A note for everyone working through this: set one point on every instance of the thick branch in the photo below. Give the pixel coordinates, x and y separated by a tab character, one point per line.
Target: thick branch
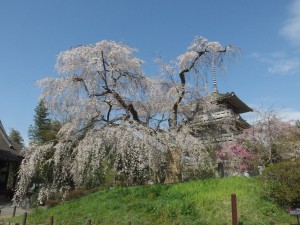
114	120
128	107
91	123
109	110
117	96
102	94
173	119
104	68
79	79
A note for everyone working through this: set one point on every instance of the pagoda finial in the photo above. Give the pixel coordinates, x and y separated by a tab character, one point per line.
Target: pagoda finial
205	85
213	68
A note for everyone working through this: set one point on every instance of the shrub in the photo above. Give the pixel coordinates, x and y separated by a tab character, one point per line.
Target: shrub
51	203
75	194
281	183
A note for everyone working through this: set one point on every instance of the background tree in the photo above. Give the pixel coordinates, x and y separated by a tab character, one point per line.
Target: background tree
119	116
237	157
297	123
271	139
44	129
16	137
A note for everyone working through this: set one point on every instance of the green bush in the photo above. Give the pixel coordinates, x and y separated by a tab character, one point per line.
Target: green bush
75	194
281	183
51	203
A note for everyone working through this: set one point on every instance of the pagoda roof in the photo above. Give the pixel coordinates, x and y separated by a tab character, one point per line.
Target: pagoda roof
232	101
9	151
241	123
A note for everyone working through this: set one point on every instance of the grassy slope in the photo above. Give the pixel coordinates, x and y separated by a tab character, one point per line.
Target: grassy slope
195	202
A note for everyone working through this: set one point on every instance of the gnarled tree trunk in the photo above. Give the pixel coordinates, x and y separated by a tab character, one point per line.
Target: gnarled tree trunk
173	170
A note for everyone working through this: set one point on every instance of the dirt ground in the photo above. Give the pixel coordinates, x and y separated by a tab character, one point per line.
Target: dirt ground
7	208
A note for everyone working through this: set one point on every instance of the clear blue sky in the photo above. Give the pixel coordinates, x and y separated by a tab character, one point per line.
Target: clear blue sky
268	32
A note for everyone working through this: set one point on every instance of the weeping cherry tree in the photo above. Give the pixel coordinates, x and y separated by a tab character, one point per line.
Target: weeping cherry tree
119	118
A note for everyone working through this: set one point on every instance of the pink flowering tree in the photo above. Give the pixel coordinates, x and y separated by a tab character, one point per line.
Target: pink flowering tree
236	157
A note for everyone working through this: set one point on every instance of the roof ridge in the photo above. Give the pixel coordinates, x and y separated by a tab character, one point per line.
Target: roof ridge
4	135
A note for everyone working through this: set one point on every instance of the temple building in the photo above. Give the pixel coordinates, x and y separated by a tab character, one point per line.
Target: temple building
216	120
223	120
10	159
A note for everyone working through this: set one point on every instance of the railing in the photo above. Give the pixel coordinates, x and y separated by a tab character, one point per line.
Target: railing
216	116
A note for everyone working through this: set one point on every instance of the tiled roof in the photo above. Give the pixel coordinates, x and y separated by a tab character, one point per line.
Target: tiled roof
9	151
233	102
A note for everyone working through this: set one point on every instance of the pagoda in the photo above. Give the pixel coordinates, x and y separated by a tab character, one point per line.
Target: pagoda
216	119
223	120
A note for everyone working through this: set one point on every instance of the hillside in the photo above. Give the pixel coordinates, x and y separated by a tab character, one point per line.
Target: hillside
195	202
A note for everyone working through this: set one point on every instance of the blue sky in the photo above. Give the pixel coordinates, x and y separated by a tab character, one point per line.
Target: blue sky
268	33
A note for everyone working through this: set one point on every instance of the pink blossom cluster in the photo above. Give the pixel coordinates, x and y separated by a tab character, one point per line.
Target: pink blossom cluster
234	152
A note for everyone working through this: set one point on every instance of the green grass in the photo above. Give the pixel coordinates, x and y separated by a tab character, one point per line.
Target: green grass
196	202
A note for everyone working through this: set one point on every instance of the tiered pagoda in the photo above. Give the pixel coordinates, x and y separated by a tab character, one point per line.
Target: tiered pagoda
223	121
216	119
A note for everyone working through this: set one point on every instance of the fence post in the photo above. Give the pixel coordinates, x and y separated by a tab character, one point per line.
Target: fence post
234	209
51	220
129	223
24	218
89	222
272	223
14	211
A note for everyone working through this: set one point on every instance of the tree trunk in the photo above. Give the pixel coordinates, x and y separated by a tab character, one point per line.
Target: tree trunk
173	173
